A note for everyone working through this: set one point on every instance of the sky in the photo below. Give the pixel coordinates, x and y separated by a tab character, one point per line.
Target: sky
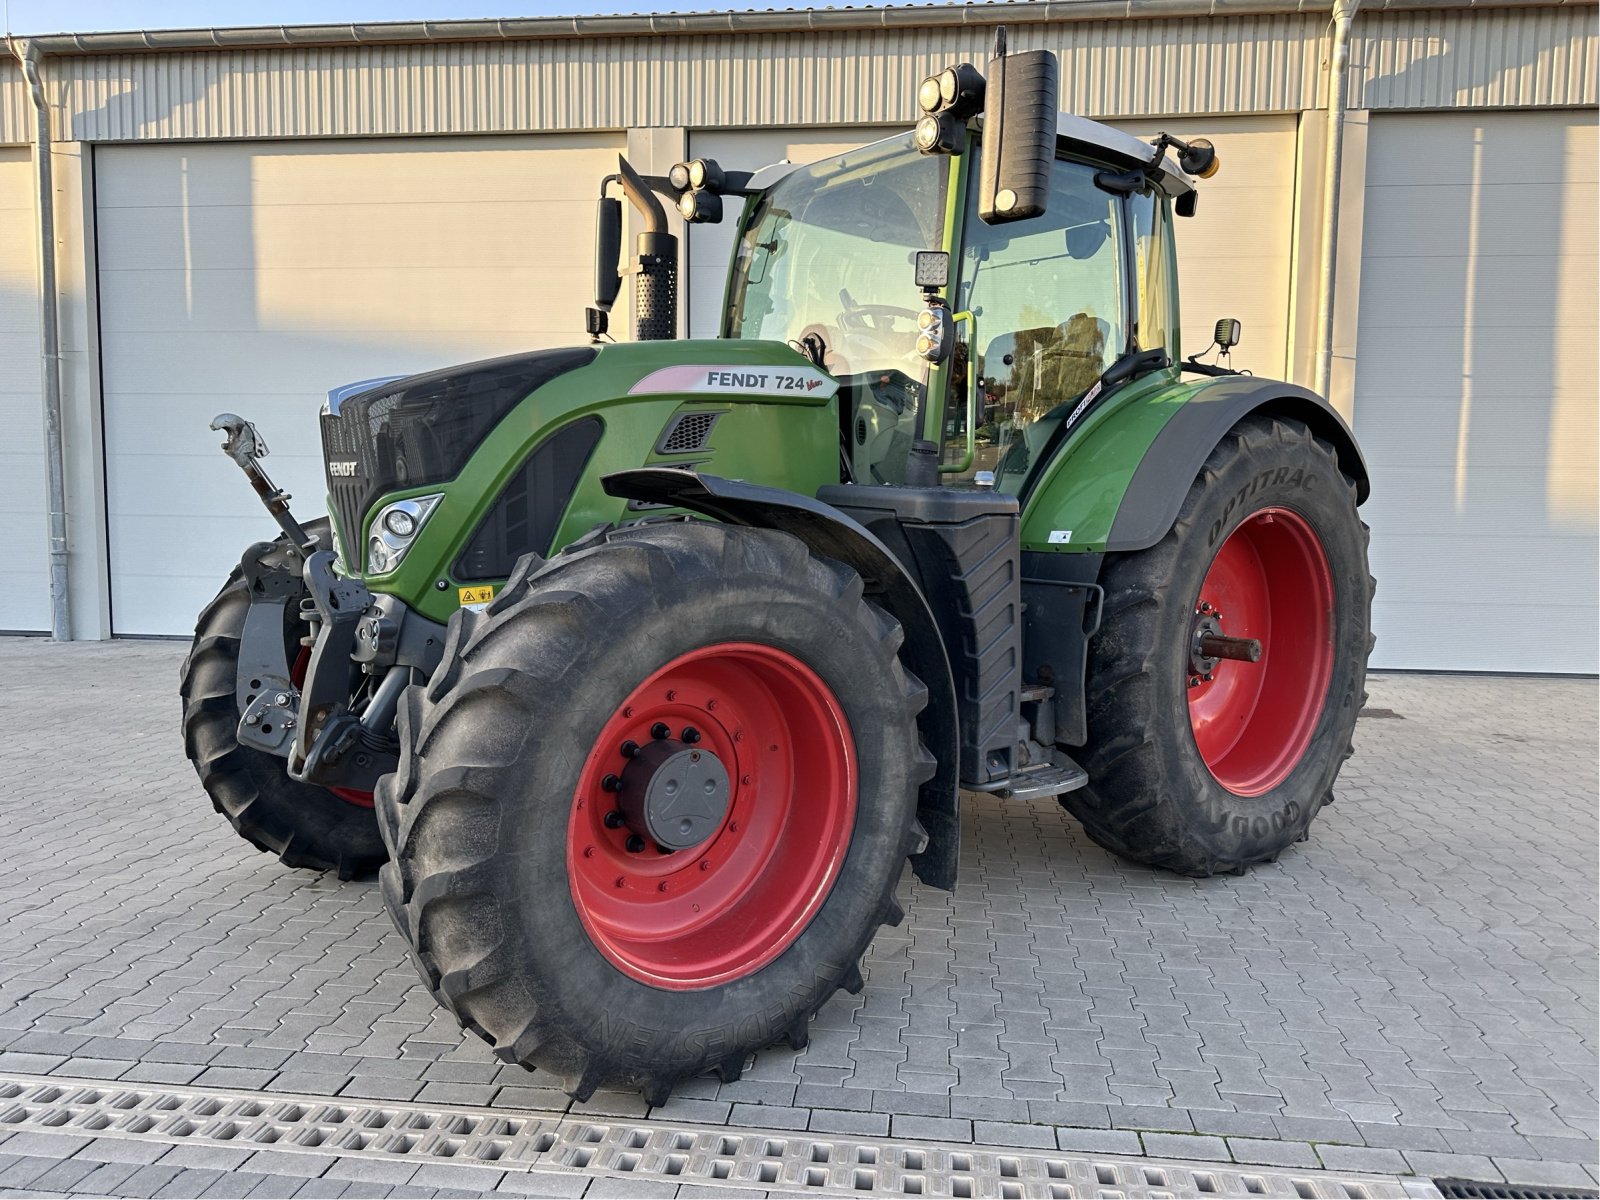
83	16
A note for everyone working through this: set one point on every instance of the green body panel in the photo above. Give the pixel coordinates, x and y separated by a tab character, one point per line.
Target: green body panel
784	441
1079	491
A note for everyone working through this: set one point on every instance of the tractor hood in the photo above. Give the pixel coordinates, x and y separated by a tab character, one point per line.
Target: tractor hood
417	430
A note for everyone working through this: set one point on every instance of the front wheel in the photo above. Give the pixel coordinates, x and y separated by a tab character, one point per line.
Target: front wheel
321	829
1201	760
654	803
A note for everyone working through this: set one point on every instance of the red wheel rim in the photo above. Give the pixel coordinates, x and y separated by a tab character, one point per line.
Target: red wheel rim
727	907
1269	580
297	676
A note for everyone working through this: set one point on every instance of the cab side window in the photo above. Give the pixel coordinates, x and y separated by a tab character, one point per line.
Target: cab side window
1049	318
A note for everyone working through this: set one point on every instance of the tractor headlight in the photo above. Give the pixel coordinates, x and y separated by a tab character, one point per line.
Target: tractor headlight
935	329
394	530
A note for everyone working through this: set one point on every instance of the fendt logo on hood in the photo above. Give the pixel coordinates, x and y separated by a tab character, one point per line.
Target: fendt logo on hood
731	380
340	468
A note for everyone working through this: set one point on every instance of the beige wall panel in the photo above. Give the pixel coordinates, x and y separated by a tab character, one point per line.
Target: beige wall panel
711	246
1475	394
254	277
24	563
1234	254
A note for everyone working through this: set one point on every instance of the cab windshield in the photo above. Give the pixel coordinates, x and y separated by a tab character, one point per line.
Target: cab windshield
825	264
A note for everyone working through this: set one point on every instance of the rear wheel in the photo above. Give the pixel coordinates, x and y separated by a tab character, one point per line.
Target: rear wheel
305	825
654	803
1198	761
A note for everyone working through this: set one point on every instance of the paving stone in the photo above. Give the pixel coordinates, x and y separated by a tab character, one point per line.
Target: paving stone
839	1120
1009	1133
1186	1146
1099	1141
452	1177
549	1183
190	1183
770	1116
1453	1166
935	1129
1271	1153
1363	1158
125	1150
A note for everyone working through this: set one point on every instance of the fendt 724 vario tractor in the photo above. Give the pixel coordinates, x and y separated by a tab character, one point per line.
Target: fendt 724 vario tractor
641	669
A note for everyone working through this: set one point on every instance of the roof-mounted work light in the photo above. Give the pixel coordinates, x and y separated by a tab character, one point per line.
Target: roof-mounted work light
947	100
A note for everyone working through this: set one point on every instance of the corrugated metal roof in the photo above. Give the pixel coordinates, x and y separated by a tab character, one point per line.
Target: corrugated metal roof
751	20
1243	62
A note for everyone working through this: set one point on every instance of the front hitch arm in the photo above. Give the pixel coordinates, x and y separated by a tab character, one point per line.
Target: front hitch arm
246	446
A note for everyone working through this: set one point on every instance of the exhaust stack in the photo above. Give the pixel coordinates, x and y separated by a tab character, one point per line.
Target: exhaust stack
656	265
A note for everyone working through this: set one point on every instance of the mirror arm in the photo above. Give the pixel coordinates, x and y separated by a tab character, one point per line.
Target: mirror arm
972	394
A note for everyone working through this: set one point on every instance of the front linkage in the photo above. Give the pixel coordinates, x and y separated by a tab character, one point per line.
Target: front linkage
305	710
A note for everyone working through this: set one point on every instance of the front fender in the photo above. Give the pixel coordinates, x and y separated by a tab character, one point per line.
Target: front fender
835	535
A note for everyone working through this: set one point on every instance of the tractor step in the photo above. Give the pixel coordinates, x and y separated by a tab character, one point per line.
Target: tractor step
1047	779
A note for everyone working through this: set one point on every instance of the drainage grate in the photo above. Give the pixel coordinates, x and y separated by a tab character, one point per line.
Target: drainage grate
1471	1189
787	1162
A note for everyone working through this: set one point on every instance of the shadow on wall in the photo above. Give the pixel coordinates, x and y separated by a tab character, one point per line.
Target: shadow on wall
253	277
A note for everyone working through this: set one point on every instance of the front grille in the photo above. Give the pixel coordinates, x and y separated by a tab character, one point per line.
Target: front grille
420	431
346	494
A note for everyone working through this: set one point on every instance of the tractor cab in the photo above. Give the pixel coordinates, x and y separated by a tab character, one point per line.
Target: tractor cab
1040	309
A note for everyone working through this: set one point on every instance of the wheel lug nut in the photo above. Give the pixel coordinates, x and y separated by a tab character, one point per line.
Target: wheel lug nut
634	844
660	732
691	735
629	749
614	819
611	783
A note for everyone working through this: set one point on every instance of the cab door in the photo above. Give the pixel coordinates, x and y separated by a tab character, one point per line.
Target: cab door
1050	311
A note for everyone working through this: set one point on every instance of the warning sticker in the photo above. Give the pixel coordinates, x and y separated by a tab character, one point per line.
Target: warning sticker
475	597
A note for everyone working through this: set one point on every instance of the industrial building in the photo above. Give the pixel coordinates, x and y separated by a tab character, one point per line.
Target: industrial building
243	219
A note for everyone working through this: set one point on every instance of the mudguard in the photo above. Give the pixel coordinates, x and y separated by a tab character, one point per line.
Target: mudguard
834	535
1159	484
1117	486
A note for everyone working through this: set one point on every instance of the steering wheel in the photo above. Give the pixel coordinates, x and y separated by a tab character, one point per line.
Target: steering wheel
875	317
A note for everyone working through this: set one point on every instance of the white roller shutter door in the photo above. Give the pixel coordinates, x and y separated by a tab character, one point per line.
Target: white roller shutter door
253	277
1475	389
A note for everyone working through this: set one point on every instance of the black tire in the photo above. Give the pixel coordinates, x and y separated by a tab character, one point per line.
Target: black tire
304	825
1152	797
477	816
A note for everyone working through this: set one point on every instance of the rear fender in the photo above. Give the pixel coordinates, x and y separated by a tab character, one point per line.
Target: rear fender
1116	487
834	535
1161	481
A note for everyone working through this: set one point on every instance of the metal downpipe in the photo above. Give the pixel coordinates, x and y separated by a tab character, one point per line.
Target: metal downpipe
50	346
1344	15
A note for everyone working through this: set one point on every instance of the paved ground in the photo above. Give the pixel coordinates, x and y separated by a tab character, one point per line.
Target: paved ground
1413	990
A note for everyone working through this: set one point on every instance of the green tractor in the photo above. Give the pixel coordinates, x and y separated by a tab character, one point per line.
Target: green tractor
639	670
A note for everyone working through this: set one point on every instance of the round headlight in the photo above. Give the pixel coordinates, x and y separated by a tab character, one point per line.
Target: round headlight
678	177
399	522
377	556
928	131
927	319
929	95
949	86
697	173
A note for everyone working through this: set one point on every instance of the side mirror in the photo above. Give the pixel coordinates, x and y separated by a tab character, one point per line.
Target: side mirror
1228	333
607	253
1019	135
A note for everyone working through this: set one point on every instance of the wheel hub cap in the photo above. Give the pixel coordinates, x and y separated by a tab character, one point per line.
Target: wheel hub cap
674	794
